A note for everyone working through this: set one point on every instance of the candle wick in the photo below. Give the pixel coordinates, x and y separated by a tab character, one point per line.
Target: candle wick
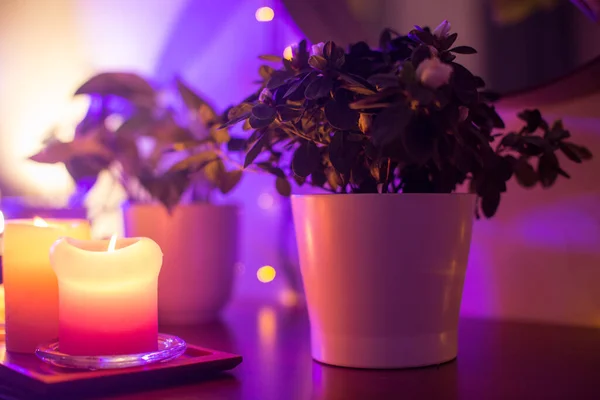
113	243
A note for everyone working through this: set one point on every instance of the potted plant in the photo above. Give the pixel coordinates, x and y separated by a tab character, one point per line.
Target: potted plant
404	140
169	159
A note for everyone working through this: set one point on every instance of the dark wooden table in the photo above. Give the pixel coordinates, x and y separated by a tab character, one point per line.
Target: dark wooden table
497	360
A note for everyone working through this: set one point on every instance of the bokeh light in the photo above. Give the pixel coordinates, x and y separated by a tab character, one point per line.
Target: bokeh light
1	222
240	268
289	298
267	325
288	53
265	201
266	274
265	14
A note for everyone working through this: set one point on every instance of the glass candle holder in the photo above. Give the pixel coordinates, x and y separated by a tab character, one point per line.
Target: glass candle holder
107	299
31	290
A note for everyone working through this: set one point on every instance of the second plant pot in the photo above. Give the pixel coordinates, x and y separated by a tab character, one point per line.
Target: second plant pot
200	249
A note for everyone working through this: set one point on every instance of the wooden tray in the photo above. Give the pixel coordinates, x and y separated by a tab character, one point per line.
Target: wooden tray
24	373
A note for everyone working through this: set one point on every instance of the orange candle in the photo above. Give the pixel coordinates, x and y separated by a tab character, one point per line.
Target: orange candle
31	290
107	295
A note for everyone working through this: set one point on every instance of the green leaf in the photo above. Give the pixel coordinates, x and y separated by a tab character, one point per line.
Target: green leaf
237	114
464	84
317	62
356	80
511	140
259	123
306	159
292	89
390	124
283	187
136	125
263	111
359	89
86	167
87	145
420	54
557	132
533	118
333	178
318	88
548	169
239	110
194	102
449	41
219	135
229	180
166	188
318	177
506	167
575	152
214	170
265	72
340	116
255	150
278	78
421	36
189	144
563	173
342	152
54	153
272	58
126	152
584	152
489	204
288	113
334	54
463	50
297	83
195	161
127	85
569	150
524	172
300	180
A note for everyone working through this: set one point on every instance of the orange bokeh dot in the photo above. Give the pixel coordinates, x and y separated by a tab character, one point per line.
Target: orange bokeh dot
266	274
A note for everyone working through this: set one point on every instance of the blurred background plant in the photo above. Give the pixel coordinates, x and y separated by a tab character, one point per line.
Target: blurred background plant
147	140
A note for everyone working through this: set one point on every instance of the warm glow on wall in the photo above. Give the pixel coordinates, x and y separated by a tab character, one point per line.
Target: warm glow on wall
265	14
69	43
266	274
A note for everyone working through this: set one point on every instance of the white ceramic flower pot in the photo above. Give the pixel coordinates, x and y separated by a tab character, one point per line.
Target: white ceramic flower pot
383	275
200	247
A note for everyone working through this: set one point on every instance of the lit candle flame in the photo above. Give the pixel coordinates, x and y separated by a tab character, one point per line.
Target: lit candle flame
37	221
113	243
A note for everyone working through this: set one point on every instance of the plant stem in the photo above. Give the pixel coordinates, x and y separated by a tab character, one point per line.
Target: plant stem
296	132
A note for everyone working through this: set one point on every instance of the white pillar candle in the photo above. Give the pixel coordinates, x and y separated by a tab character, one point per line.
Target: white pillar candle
107	298
31	290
